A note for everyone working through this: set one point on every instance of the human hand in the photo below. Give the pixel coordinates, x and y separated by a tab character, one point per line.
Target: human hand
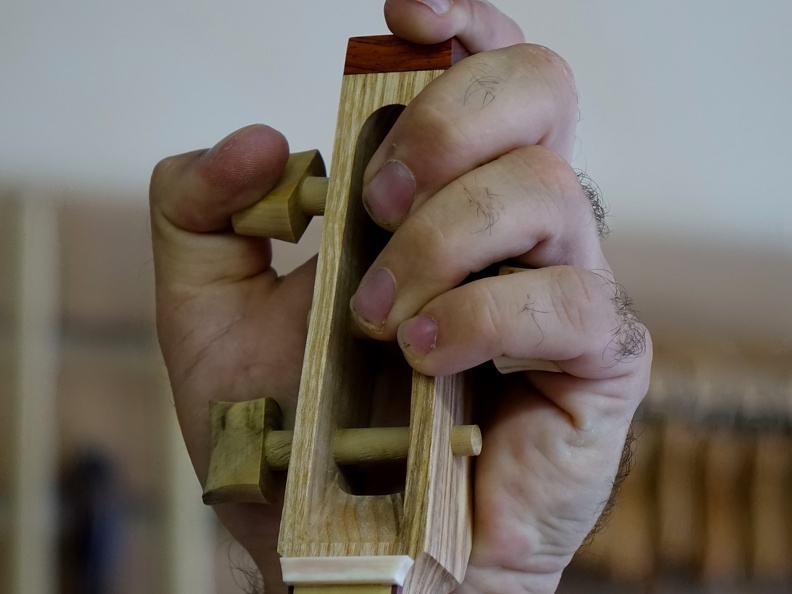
231	329
476	171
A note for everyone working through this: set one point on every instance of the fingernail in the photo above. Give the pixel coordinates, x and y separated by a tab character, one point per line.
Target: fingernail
418	336
438	6
373	300
389	196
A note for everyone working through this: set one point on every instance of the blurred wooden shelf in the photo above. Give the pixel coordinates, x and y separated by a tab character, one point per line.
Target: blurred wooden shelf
81	376
708	498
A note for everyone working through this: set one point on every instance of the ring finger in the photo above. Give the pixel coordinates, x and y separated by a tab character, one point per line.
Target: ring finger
527	206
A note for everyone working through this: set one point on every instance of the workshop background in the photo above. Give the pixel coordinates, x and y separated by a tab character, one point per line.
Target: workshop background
685	124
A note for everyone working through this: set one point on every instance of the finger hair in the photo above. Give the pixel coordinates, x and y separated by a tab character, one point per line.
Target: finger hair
246	577
629	335
629	339
598	206
625	467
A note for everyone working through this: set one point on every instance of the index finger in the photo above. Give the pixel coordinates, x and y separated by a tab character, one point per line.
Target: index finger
479	25
480	109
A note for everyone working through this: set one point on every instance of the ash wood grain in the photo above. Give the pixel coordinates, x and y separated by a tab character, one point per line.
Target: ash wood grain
238	469
287	209
367	446
430	520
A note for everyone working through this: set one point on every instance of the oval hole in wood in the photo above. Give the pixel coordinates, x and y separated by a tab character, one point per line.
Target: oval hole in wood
386	378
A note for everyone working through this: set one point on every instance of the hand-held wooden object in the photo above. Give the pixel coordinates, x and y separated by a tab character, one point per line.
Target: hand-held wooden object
287	209
333	538
420	537
248	444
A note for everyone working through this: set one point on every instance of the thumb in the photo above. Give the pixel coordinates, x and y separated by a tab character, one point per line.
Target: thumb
479	25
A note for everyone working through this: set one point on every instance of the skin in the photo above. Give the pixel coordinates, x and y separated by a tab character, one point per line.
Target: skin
481	175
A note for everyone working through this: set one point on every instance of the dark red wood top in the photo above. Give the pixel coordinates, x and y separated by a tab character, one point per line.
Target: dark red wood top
388	53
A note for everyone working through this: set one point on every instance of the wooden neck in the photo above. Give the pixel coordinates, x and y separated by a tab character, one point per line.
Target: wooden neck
323	519
337	534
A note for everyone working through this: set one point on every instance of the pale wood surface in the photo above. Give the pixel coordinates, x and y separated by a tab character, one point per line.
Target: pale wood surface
348	571
313	195
247	444
286	210
238	468
363	446
348	589
429	521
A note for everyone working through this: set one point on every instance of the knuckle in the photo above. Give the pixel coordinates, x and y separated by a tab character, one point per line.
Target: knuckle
483	313
580	301
546	176
436	132
424	237
550	65
598	308
549	169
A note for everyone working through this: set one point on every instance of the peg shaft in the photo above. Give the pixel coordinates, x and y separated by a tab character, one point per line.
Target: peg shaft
248	444
313	194
361	446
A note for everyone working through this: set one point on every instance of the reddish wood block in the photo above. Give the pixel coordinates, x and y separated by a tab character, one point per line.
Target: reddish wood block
388	53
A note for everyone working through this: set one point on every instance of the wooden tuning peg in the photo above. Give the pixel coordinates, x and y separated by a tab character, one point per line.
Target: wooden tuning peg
238	468
248	444
284	213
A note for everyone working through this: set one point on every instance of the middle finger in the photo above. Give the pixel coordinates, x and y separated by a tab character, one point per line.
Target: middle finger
481	108
526	206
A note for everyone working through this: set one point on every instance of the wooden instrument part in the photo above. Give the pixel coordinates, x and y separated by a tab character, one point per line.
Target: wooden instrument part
418	537
337	533
287	209
248	445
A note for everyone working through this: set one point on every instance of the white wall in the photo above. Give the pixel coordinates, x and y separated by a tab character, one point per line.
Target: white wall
685	106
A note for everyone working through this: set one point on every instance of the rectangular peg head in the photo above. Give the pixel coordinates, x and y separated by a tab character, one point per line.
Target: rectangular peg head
238	469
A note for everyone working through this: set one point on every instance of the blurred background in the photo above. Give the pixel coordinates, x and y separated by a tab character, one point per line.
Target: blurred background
685	125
